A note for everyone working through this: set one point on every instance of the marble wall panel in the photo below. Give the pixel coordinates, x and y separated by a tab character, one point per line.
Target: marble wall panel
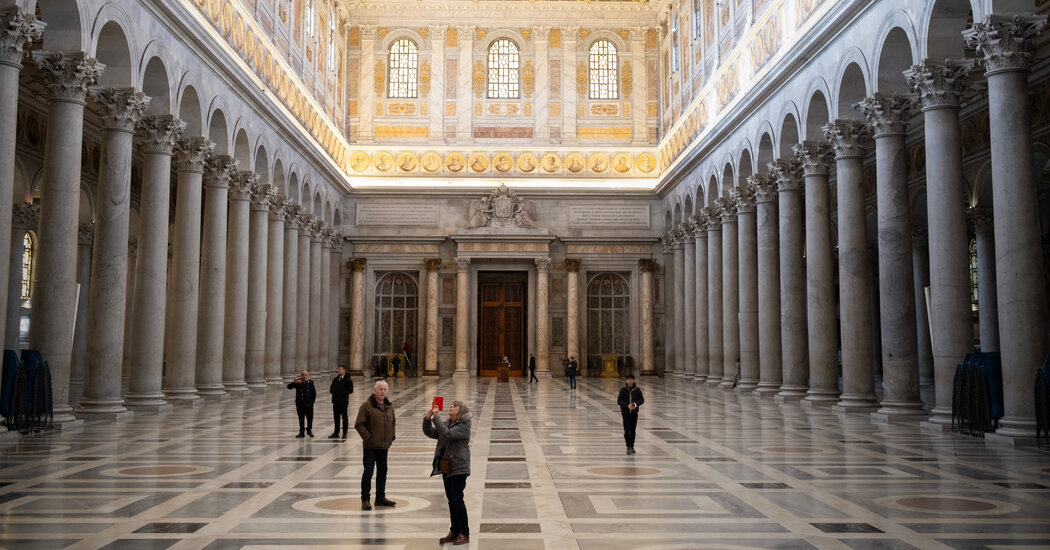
514	132
451	65
448	332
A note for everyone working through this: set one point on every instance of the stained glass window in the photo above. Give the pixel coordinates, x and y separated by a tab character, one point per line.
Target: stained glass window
603	64
404	68
504	65
396	307
973	274
608	315
27	267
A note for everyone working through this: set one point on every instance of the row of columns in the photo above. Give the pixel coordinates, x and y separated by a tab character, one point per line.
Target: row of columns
217	326
775	250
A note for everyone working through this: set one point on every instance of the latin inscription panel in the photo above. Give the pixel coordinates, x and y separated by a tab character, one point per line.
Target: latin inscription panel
397	213
609	215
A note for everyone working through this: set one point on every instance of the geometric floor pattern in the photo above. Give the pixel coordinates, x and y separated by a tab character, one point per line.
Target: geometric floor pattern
714	470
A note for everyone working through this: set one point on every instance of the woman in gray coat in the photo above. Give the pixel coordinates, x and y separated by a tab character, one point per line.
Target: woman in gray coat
454	443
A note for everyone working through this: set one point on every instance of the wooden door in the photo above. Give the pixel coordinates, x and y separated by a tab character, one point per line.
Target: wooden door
501	326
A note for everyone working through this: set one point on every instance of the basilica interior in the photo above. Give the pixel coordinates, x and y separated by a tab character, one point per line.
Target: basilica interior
792	220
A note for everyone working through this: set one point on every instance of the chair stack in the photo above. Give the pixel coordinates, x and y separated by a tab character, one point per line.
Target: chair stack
1042	404
25	393
977	394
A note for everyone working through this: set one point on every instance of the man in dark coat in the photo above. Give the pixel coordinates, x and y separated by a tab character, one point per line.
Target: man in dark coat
630	399
375	423
305	395
341	388
532	369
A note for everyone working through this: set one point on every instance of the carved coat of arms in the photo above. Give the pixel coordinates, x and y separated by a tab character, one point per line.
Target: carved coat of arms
501	208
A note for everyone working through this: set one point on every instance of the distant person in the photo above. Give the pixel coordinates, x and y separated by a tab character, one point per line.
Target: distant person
395	362
452	461
630	399
405	347
341	388
573	365
375	423
305	395
532	369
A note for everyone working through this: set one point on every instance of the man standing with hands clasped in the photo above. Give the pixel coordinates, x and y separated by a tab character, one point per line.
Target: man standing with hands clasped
630	399
375	422
341	388
305	394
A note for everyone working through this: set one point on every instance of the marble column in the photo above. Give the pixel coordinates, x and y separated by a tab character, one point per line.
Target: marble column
541	49
770	349
714	295
159	134
23	219
316	328
543	334
747	235
436	33
357	316
325	280
888	116
940	85
180	327
119	109
464	74
569	89
430	367
572	314
290	294
678	298
18	30
730	292
1008	45
78	366
703	322
794	346
648	367
129	312
275	290
987	303
921	277
688	369
211	309
667	248
234	343
639	99
462	295
303	302
366	86
821	321
335	286
66	78
258	242
849	139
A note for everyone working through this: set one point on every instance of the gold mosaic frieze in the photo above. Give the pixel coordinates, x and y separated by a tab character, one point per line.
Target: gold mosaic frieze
605	109
503	109
401	108
510	163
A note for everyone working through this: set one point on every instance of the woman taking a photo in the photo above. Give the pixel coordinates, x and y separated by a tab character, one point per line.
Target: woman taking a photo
452	461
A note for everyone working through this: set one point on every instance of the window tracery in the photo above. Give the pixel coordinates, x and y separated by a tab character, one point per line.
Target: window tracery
608	314
404	69
503	70
604	62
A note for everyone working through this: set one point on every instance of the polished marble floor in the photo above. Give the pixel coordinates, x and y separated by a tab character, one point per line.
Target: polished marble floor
714	470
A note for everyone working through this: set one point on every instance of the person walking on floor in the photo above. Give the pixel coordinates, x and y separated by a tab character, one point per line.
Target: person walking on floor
532	369
452	461
341	388
375	423
630	399
305	395
573	365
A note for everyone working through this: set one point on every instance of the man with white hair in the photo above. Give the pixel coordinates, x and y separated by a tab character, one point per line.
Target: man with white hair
375	423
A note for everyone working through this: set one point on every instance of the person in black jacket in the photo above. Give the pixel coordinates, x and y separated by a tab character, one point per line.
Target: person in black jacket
630	399
341	388
532	369
305	395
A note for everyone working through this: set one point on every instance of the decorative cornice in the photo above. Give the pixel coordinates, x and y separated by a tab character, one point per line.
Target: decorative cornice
887	114
572	265
70	75
357	265
159	133
1007	43
433	264
218	170
119	108
190	153
939	84
848	137
744	195
816	157
17	31
787	173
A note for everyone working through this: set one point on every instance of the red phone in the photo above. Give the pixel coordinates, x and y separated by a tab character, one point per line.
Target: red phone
440	402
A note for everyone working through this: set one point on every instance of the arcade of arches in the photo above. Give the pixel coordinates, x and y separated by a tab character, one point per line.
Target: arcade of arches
811	207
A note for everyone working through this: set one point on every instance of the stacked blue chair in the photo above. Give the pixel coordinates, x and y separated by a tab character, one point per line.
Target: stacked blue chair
1042	404
11	372
977	394
39	406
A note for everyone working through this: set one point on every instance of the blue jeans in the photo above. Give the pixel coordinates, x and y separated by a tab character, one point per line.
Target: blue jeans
572	380
374	459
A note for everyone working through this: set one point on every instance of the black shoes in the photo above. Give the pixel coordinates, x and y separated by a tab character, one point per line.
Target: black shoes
344	435
301	435
365	505
310	433
631	451
383	501
333	436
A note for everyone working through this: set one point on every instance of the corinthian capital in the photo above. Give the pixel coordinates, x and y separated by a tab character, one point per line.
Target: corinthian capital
1007	43
849	138
787	173
191	153
765	187
744	195
25	215
17	30
159	133
726	209
714	216
119	108
291	216
437	32
638	34
939	84
357	265
815	156
887	114
368	32
218	169
541	33
570	34
278	206
543	265
241	185
86	234
261	195
462	264
466	32
69	75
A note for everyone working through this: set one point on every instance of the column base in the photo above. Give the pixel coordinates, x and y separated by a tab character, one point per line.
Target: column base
1009	440
430	373
100	407
701	378
1013	431
8	436
746	385
714	379
66	422
259	384
464	375
939	416
181	395
144	399
210	390
767	389
643	373
788	397
120	416
233	388
215	397
273	380
258	388
161	408
885	415
851	404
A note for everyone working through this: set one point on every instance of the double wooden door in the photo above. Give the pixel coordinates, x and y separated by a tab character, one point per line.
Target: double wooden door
501	326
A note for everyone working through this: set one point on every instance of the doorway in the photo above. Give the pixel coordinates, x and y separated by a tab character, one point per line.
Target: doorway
502	320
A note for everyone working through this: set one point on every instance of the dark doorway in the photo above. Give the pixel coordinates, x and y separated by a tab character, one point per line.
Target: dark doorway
502	316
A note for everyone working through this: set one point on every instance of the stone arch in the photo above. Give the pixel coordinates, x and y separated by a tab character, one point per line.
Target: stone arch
712	190
156	85
745	167
337	219
262	164
981	194
113	51
852	89
328	212
698	206
241	150
677	213
190	112
687	207
765	153
293	187
942	28
278	179
895	55
219	133
727	178
788	136
817	115
316	209
86	212
64	31
668	220
22	189
304	196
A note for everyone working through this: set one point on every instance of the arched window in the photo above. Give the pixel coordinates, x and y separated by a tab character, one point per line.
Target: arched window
504	64
397	304
698	23
674	43
331	40
27	269
603	65
404	68
608	315
311	16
